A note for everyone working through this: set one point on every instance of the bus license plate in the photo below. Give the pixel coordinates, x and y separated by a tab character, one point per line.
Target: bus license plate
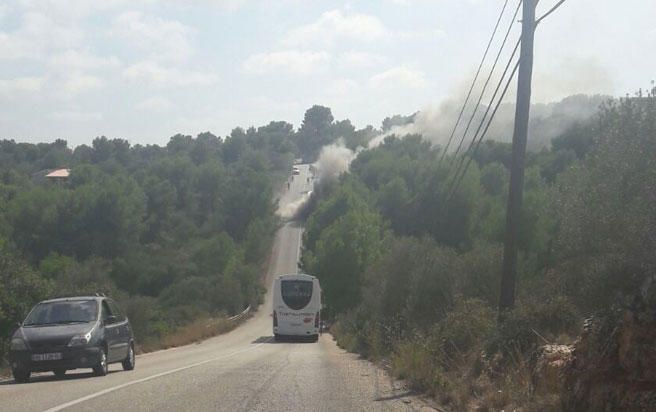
46	356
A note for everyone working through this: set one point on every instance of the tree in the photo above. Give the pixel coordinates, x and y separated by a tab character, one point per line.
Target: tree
315	132
21	288
343	252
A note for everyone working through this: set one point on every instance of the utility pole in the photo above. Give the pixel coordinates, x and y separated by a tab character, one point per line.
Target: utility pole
515	193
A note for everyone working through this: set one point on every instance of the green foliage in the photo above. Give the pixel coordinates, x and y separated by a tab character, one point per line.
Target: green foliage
174	233
21	288
429	296
605	245
343	251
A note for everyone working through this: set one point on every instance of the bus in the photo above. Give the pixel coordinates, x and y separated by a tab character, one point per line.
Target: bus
296	307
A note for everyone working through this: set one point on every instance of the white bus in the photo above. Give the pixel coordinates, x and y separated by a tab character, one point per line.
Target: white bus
296	306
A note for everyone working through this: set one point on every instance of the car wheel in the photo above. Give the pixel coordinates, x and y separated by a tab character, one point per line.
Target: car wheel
59	373
315	338
276	337
128	363
101	367
21	375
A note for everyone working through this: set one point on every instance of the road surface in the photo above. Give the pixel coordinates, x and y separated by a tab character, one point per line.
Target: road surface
244	370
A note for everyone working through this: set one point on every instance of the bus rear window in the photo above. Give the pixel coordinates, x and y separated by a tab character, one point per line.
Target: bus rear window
296	293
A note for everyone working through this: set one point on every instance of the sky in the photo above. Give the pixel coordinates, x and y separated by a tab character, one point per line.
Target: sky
144	70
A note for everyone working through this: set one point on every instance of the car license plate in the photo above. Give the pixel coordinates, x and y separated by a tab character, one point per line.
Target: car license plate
46	356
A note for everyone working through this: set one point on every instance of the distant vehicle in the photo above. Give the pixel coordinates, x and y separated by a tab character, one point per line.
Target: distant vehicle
296	307
296	171
298	161
70	333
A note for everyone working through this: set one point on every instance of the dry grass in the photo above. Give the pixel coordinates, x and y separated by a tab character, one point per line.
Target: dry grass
194	332
470	382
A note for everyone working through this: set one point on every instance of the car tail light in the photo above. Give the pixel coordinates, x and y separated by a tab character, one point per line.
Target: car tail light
275	319
316	320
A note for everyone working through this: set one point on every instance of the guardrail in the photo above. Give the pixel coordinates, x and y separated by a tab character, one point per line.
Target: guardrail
241	315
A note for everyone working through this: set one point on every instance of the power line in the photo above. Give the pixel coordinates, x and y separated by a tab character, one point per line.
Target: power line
489	105
460	174
459	178
487	81
471	88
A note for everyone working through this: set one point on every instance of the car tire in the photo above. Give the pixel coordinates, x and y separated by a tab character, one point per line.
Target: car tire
102	367
276	337
21	375
59	373
314	338
129	362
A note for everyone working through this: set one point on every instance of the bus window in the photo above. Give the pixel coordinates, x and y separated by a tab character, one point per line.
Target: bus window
296	293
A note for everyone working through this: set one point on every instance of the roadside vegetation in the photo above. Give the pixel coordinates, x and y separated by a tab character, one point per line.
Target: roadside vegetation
411	274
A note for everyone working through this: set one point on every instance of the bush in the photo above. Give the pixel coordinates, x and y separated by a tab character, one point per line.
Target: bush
468	325
531	323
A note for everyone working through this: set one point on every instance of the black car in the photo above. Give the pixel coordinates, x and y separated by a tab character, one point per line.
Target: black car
71	333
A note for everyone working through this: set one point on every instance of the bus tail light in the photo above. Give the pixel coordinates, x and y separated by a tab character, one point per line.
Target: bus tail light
316	320
275	319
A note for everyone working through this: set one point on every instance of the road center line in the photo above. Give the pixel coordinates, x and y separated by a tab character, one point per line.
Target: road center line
157	375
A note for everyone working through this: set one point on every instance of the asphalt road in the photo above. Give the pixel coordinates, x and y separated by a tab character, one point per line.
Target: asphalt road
244	370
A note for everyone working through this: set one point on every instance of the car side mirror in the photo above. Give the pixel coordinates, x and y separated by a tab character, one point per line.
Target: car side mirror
110	319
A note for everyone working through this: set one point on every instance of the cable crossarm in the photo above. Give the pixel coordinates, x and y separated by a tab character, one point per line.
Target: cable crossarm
551	10
459	178
471	88
487	81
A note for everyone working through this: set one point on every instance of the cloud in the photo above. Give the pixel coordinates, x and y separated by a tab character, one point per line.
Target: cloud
70	10
290	61
336	25
76	116
21	85
360	60
343	87
162	39
77	83
227	5
158	75
155	104
37	36
81	60
398	77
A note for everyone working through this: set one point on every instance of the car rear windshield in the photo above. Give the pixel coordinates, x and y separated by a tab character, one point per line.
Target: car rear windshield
71	311
296	293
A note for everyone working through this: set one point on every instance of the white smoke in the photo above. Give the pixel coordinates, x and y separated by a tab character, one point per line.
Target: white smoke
435	123
290	210
432	122
334	160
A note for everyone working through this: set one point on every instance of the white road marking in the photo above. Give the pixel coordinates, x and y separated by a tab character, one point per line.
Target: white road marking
157	375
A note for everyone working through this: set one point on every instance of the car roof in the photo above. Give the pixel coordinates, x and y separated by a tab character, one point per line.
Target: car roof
297	276
74	298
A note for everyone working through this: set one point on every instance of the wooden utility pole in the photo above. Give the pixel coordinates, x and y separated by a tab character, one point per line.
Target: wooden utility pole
514	206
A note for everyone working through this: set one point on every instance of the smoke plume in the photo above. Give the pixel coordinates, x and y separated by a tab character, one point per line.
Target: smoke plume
435	123
334	160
